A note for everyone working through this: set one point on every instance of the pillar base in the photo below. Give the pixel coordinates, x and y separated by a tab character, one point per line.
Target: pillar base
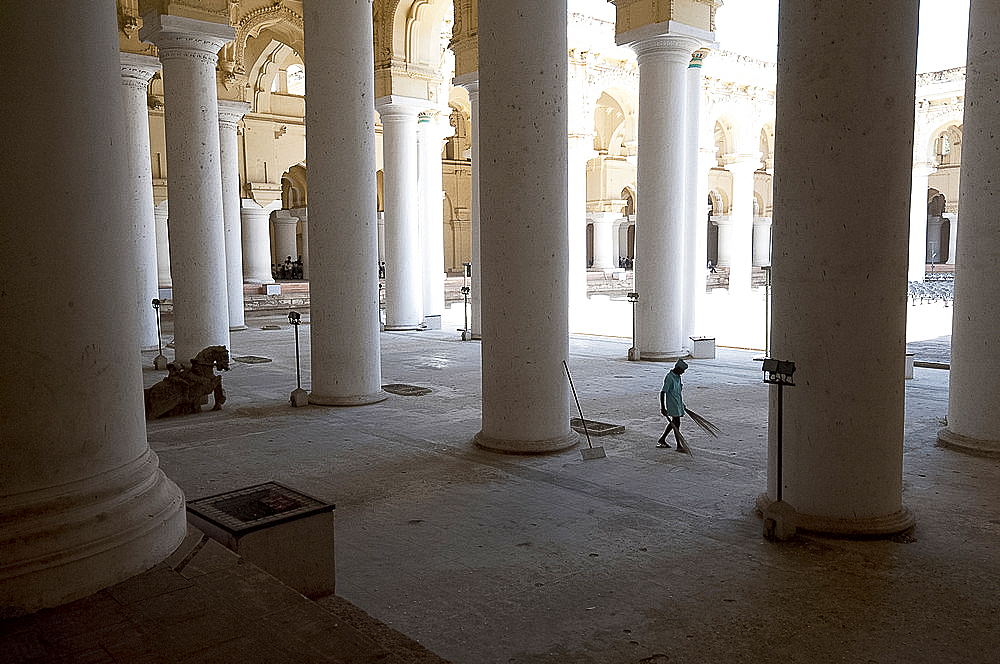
67	542
237	328
973	446
669	356
527	446
859	528
353	400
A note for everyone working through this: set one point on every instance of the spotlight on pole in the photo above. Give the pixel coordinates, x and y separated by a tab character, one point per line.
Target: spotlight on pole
633	352
160	361
779	516
299	396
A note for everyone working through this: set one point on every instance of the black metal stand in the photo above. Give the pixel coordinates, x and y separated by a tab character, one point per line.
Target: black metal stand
160	361
299	396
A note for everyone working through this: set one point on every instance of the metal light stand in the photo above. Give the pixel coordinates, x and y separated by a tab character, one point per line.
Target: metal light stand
466	289
767	310
299	396
160	361
779	516
633	352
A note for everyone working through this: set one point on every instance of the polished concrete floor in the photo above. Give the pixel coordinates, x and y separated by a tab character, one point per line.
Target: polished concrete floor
647	555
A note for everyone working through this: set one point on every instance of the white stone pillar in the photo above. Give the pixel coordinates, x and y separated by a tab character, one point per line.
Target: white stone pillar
230	113
136	71
285	236
403	287
761	241
471	83
933	240
430	189
695	241
82	501
918	222
952	237
160	218
256	243
188	49
975	363
523	103
604	240
343	240
661	212
740	229
303	214
581	149
843	327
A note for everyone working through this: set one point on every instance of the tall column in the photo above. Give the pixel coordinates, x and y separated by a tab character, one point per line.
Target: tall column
160	215
843	327
286	243
603	240
188	49
431	209
256	243
136	70
303	214
918	221
82	501
975	360
471	83
740	229
230	113
343	241
661	212
761	241
524	227
952	237
695	241
403	290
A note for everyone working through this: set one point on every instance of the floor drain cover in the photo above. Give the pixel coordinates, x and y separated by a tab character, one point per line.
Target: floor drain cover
253	359
270	327
596	428
406	390
256	507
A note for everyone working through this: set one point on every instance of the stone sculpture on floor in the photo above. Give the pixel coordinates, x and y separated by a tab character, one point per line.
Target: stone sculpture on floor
186	390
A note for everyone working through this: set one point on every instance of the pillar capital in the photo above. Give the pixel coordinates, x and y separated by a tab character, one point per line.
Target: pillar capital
231	112
674	47
396	108
137	69
180	36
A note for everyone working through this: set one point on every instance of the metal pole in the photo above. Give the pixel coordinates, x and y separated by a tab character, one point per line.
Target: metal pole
778	464
298	375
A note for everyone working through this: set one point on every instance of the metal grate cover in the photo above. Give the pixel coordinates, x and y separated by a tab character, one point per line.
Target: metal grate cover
406	390
252	359
596	428
256	507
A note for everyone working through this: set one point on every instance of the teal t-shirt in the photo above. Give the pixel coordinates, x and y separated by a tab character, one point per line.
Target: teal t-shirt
672	389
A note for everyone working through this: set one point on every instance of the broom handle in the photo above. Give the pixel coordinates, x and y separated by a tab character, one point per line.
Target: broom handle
582	419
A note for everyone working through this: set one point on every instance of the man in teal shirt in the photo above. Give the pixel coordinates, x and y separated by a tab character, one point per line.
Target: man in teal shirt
672	405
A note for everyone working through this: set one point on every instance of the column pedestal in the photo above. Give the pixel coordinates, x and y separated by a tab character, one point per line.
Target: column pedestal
188	49
974	393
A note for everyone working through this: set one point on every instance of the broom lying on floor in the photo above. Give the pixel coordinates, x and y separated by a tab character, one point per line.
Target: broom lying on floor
702	422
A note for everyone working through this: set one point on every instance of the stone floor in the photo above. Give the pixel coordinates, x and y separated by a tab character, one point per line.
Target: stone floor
646	555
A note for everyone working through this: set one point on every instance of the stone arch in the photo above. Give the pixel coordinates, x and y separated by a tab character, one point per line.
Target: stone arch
275	58
408	40
616	123
725	137
276	23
